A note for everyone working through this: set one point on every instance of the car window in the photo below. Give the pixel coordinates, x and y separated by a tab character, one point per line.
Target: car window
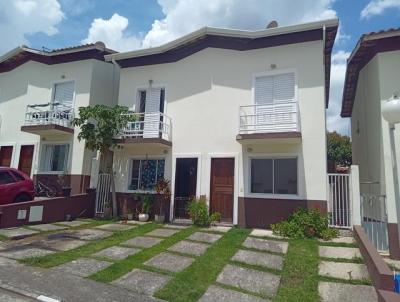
6	178
17	176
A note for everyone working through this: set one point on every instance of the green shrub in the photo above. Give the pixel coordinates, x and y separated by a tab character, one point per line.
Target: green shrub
198	212
305	224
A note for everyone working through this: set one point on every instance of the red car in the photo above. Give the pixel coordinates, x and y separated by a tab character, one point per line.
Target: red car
15	186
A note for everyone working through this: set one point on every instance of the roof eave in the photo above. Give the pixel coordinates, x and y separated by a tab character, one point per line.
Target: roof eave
223	32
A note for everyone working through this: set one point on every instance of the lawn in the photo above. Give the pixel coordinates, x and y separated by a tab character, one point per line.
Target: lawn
299	276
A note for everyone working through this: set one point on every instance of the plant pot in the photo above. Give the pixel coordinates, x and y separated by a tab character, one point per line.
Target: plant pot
107	213
159	218
143	217
129	216
66	192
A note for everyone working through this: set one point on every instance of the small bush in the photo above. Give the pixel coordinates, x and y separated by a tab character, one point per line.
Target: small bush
198	212
306	224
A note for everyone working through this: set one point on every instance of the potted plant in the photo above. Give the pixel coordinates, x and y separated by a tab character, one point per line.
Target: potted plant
62	180
146	207
107	210
164	195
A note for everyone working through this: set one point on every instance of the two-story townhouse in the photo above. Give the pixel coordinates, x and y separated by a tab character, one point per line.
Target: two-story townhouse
372	78
40	93
235	116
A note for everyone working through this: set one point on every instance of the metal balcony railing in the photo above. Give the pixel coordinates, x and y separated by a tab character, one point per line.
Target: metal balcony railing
148	125
49	114
269	118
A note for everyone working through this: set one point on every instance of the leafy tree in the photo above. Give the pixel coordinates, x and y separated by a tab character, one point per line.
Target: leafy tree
339	148
99	125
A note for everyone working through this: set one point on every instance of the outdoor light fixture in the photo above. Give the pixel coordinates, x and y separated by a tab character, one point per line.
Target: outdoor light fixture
391	109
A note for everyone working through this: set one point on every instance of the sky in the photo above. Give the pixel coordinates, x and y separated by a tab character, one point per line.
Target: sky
131	24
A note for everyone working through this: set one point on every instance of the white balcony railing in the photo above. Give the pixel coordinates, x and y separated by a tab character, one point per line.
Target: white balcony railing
269	118
148	125
49	114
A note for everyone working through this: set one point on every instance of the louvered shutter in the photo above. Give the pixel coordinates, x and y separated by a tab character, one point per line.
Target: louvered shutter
264	98
64	94
152	113
275	99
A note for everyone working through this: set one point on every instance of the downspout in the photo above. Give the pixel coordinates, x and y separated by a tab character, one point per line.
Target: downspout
325	102
115	64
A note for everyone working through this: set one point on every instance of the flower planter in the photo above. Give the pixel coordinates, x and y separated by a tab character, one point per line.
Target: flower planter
143	217
129	216
159	218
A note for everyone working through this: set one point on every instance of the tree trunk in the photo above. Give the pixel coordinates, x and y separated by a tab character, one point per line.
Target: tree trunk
106	166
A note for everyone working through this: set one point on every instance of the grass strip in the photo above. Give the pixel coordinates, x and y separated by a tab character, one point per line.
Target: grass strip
190	284
120	268
88	249
300	273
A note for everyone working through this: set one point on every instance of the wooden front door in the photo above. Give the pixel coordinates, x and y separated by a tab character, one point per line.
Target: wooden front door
185	185
5	156
25	159
222	180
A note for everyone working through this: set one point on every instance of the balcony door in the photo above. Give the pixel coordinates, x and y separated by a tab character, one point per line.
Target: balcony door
63	95
274	97
151	105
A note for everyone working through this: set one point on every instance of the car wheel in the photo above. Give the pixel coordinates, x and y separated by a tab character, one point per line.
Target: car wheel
22	198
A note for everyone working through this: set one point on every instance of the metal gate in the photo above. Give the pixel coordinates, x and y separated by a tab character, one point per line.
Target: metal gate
103	192
339	200
374	220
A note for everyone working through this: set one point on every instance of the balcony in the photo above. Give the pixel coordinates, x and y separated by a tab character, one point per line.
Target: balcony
48	119
148	128
275	121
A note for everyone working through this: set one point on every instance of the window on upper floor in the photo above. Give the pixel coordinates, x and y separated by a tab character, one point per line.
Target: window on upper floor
54	158
274	89
151	100
273	175
63	94
145	174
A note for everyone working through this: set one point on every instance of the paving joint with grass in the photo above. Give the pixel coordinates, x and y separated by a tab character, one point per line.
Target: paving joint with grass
90	248
123	267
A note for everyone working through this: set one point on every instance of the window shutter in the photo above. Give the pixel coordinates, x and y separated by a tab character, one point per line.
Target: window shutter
274	96
263	90
64	94
152	113
283	87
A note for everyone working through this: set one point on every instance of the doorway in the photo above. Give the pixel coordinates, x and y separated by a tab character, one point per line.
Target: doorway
6	156
222	187
25	159
185	185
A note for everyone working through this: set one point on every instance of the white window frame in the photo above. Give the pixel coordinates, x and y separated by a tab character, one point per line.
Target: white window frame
131	159
274	73
53	90
136	104
68	168
272	195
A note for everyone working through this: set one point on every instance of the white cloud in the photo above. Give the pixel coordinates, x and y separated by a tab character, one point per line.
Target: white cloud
338	71
377	7
21	18
113	32
184	16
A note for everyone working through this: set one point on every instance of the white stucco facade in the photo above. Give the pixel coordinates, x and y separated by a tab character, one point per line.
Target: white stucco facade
94	81
203	93
377	82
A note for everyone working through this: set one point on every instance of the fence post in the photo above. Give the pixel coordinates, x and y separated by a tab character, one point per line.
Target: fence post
355	195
